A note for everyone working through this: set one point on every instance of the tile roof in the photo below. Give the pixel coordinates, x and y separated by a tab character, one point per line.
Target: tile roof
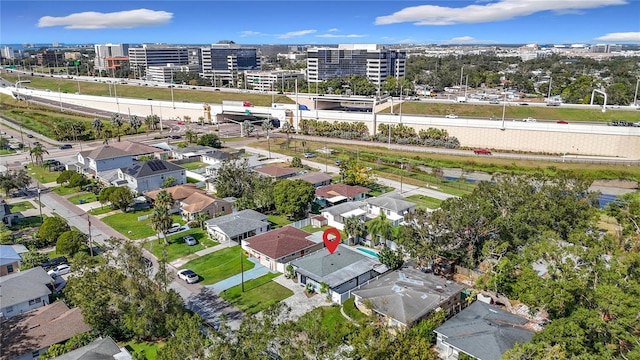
178	192
349	191
140	169
313	177
280	242
391	201
198	201
334	269
24	285
408	294
276	171
239	223
484	331
40	328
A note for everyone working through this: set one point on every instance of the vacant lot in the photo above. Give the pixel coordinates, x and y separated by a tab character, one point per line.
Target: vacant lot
20	206
128	224
219	265
258	294
177	248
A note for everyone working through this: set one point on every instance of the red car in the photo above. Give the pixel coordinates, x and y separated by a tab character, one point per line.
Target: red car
562	122
180	123
481	152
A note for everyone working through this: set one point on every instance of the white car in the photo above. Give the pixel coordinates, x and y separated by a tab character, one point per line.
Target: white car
188	275
189	240
174	228
451	116
529	119
59	270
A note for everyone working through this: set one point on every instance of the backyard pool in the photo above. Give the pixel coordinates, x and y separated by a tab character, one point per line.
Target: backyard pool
368	251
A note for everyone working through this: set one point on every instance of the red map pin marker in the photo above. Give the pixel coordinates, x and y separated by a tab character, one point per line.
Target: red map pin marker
331	244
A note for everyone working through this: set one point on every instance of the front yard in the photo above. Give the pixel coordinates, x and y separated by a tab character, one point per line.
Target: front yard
41	174
128	224
219	265
194	165
258	294
20	206
83	198
177	248
425	201
63	190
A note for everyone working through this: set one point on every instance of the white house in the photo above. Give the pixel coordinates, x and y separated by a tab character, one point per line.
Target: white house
237	226
336	215
394	206
24	291
143	176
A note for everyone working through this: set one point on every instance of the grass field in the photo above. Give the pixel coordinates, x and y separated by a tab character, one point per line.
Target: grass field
86	198
219	265
41	174
278	221
20	206
351	310
328	320
258	294
177	248
147	350
425	201
101	210
63	190
128	225
194	165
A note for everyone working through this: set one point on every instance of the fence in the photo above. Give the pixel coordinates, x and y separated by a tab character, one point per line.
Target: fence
302	223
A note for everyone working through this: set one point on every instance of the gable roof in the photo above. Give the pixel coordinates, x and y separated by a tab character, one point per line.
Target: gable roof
344	208
140	169
280	242
334	269
198	201
97	350
484	331
105	152
135	148
407	295
24	285
239	223
314	177
8	255
391	201
276	171
178	192
349	191
40	328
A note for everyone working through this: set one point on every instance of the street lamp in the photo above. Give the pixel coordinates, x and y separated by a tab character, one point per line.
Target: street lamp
171	87
504	108
635	97
401	173
60	96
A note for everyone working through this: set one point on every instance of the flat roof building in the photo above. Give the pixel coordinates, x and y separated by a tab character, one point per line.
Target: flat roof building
222	62
105	51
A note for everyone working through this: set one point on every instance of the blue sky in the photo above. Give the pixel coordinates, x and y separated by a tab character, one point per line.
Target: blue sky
320	22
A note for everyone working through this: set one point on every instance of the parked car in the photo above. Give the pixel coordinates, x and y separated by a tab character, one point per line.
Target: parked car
561	122
189	240
481	151
54	262
174	228
494	102
65	146
59	270
309	155
529	119
176	137
338	162
147	262
29	136
188	275
451	116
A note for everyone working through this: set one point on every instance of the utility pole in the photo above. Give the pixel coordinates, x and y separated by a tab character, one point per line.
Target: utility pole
241	271
90	240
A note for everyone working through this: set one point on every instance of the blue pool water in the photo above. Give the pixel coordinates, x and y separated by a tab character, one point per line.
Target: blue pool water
367	251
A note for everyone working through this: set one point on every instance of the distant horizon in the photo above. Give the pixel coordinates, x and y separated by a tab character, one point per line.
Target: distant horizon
315	23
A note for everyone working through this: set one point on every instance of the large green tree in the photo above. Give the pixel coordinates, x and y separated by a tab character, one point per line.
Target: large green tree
37	152
51	229
293	197
70	242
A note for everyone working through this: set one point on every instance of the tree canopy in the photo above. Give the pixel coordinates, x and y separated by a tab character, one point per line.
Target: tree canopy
293	197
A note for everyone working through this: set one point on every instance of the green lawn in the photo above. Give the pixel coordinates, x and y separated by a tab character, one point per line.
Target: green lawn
101	210
311	229
351	310
194	165
191	180
425	201
63	190
20	206
41	174
86	198
128	225
332	322
150	350
7	151
259	294
177	248
219	265
278	221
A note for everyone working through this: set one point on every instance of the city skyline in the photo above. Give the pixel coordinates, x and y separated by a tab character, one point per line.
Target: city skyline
317	23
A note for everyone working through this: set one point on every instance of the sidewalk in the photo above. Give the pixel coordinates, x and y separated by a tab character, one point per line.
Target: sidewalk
227	283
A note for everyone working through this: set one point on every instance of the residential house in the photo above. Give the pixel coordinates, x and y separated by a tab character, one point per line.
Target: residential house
191	152
202	203
276	248
316	178
404	297
140	151
336	215
29	335
237	226
394	206
9	260
24	291
178	193
211	171
5	213
342	271
99	349
482	331
276	172
335	194
143	176
215	157
103	158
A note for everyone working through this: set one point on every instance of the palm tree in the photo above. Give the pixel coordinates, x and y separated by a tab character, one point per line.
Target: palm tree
161	222
201	219
135	123
248	128
266	126
37	152
164	200
187	118
201	120
287	128
106	135
354	227
380	228
190	135
116	120
97	125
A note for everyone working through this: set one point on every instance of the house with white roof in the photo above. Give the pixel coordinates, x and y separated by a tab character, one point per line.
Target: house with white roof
393	205
237	226
336	215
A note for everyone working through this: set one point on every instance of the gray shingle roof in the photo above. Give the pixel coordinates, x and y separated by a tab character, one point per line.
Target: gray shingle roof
344	207
140	169
106	152
407	295
334	269
484	331
8	255
391	201
97	350
239	223
23	286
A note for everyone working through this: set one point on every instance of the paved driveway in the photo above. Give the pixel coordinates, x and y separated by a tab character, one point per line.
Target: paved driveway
256	272
299	303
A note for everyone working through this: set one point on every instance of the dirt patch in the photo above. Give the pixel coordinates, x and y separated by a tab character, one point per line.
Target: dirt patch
623	184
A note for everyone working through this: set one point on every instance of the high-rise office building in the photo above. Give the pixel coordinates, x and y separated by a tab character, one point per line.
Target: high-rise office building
369	60
222	62
141	58
106	51
7	53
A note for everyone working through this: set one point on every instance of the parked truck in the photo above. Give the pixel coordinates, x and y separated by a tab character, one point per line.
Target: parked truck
237	103
461	99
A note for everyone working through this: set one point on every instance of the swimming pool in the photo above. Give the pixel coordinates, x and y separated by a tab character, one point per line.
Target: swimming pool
368	251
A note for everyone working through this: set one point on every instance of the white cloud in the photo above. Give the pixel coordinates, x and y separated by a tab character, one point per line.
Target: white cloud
116	20
621	37
341	36
249	33
333	30
494	11
466	40
291	34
